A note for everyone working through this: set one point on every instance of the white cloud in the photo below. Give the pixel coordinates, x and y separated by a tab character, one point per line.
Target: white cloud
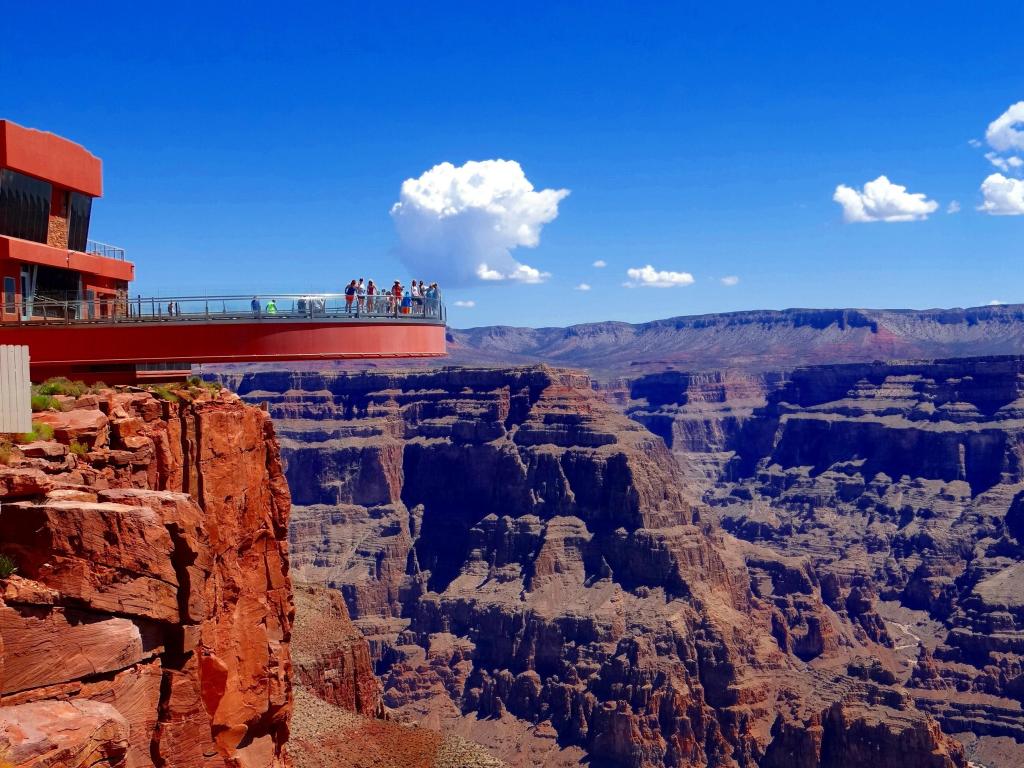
649	277
996	303
461	224
953	207
1005	133
521	274
730	280
583	287
600	264
881	200
467	303
974	143
1004	164
1003	196
488	274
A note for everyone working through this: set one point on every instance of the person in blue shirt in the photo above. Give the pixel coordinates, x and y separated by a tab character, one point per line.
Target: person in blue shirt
255	306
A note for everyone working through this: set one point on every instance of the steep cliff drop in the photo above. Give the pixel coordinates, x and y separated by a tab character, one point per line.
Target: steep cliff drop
531	573
147	623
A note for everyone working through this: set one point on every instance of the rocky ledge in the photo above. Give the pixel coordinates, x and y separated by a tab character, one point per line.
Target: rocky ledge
148	621
533	570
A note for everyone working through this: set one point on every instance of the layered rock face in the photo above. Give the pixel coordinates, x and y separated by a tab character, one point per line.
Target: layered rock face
698	415
147	624
902	484
531	571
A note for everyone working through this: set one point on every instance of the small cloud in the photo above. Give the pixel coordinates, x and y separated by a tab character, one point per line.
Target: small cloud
996	303
953	207
600	264
649	277
1005	164
1004	134
974	143
467	303
522	273
582	287
484	273
730	280
881	200
1003	196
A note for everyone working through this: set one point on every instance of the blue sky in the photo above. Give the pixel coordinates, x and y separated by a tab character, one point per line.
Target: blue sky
254	150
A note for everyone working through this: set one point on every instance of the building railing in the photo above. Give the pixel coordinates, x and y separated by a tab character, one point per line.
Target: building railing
104	249
104	310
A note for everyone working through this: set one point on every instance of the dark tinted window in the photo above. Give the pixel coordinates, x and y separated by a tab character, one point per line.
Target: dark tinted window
78	221
9	289
24	206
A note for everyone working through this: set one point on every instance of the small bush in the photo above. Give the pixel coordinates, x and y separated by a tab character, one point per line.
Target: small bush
99	386
44	403
5	458
40	431
198	382
163	391
7	566
62	386
79	449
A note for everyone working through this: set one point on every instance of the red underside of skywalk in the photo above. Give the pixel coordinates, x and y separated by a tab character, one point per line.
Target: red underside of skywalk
112	351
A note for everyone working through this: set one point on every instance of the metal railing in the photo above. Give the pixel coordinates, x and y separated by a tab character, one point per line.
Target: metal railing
288	307
104	249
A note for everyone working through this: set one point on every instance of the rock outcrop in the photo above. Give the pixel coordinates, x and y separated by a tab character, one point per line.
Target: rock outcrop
148	622
532	570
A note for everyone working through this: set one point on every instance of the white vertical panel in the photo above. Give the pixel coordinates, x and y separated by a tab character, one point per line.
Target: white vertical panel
15	390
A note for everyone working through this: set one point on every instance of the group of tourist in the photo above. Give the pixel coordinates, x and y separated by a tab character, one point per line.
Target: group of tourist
366	297
417	299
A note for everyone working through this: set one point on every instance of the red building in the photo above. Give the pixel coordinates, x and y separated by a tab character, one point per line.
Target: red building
69	298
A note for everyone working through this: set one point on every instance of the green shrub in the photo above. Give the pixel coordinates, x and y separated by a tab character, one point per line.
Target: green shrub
44	403
62	386
5	453
40	431
79	449
198	382
7	566
163	391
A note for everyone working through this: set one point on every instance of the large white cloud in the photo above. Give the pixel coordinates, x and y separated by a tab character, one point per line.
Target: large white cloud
1006	132
1003	196
649	277
881	200
460	224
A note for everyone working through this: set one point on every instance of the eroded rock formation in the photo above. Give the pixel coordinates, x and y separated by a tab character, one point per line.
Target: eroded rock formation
533	570
148	621
902	485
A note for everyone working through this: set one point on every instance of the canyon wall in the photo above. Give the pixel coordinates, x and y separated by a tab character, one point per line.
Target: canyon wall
533	570
148	620
902	485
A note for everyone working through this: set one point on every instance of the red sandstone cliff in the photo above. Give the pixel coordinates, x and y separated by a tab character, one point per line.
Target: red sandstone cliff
148	622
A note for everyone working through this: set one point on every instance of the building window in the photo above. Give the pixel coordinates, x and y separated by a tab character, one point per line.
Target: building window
24	206
10	296
78	221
